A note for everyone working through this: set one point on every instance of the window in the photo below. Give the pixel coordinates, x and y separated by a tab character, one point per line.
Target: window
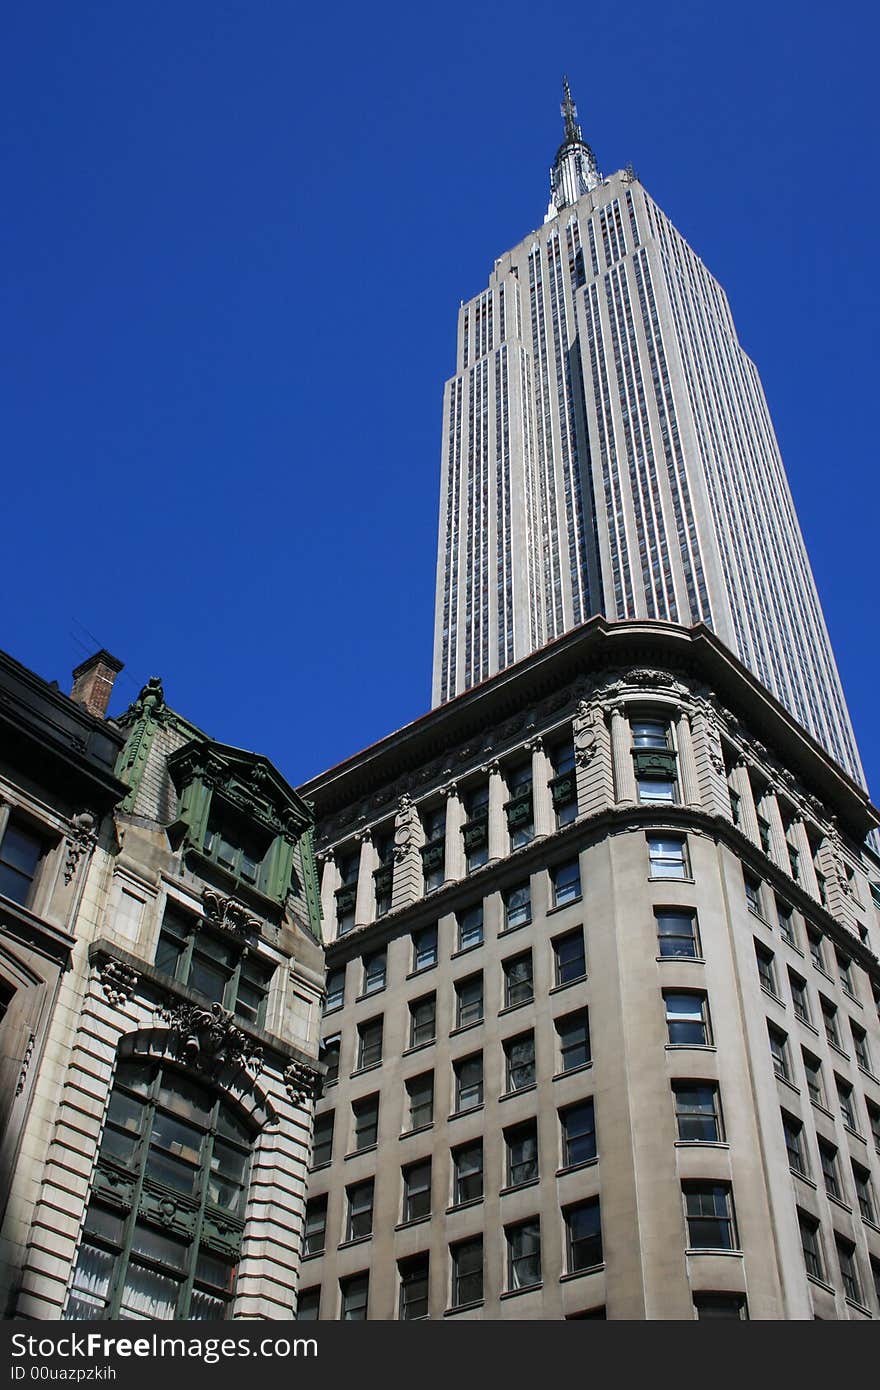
420	1099
322	1145
779	1053
467	1272
220	967
849	1270
523	1254
424	948
518	983
578	1133
417	1190
434	848
520	812
583	1236
566	883
735	806
829	1018
677	932
316	1226
346	896
786	923
468	1082
811	1245
369	1043
709	1214
308	1303
563	783
469	1000
844	970
753	894
414	1288
830	1171
475	831
656	791
470	927
366	1122
329	1055
233	845
423	1020
517	906
874	1121
721	1305
799	996
847	1109
360	1210
864	1192
383	877
355	1293
521	1144
697	1112
793	1131
875	1267
766	971
335	990
813	1073
650	733
668	857
519	1062
467	1172
814	938
687	1019
764	834
573	1032
860	1046
165	1131
570	957
374	972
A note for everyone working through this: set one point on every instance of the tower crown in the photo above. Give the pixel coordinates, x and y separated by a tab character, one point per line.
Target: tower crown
574	170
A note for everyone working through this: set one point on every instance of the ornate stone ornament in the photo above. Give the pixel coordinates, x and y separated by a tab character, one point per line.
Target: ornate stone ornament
302	1083
227	914
208	1039
118	980
81	839
586	743
25	1063
407	828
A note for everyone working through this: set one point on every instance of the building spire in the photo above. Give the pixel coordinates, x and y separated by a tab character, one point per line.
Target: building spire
574	170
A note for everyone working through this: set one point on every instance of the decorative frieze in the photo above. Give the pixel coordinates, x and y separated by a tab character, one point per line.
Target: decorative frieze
79	841
118	980
227	914
302	1083
209	1039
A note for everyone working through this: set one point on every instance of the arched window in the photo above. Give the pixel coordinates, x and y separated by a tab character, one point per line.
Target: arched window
163	1227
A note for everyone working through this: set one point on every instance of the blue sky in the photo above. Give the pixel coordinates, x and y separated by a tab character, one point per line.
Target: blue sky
234	243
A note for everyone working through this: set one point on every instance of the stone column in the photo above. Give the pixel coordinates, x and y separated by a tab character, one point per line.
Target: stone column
499	839
365	902
626	791
769	809
409	837
542	802
592	759
689	786
801	842
329	884
455	862
748	815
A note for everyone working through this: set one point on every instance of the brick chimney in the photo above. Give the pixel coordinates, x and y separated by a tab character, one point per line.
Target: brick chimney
93	682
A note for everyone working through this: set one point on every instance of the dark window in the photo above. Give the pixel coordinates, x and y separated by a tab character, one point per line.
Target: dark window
366	1122
830	1171
860	1046
424	948
469	1081
650	733
369	1043
570	957
779	1052
420	1098
687	1019
668	856
360	1210
522	1153
811	1245
786	923
374	972
677	932
849	1270
414	1288
793	1131
574	1040
470	927
753	894
813	1073
709	1214
355	1292
220	967
697	1112
20	855
316	1226
417	1190
467	1167
721	1305
335	989
329	1055
799	998
816	951
518	982
308	1303
566	883
322	1147
519	1056
468	1000
864	1192
578	1133
583	1236
423	1020
523	1254
467	1272
845	1098
518	906
766	971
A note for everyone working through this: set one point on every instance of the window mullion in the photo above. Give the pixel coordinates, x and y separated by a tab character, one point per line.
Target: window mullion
125	1253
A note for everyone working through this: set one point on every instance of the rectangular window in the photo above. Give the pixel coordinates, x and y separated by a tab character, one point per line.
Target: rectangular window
573	1032
578	1133
414	1288
570	957
520	810
786	923
697	1112
811	1245
753	894
563	784
814	939
650	733
779	1053
583	1236
764	834
469	1000
874	1122
424	948
308	1302
519	1061
677	932
709	1215
687	1019
864	1192
518	906
523	1254
20	855
335	989
518	982
656	791
366	1122
470	927
423	1020
329	1055
521	1144
468	1082
316	1226
829	1018
322	1145
799	998
793	1131
355	1293
847	1107
369	1043
721	1305
668	857
849	1270
860	1046
360	1210
830	1171
845	971
417	1190
420	1100
766	971
813	1073
467	1172
566	883
374	972
467	1272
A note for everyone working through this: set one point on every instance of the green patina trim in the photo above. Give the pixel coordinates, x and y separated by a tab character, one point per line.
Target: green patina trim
346	897
654	762
311	888
476	832
519	810
563	788
144	716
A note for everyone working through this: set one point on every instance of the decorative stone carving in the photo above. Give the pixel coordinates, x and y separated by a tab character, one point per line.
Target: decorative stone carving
227	914
25	1062
301	1082
586	742
407	827
118	980
209	1039
81	839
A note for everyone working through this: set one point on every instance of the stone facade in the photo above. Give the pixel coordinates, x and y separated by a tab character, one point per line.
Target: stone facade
602	1028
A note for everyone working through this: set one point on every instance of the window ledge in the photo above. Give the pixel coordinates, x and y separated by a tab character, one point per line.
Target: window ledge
711	1250
849	994
701	1144
509	1008
463	1308
413	1221
806	1023
790	1084
559	907
422	970
792	945
359	1071
514	1293
567	984
419	1047
463	1206
850	1303
838	1202
771	994
699	960
690	1047
357	1240
581	1273
572	1071
855	1134
820	1283
319	1167
823	1109
673	878
521	1091
471	1110
519	1186
465	1027
466	950
872	1225
808	1182
822	971
370	994
311	1255
838	1049
419	1129
355	1153
760	916
334	1009
870	1075
516	926
577	1167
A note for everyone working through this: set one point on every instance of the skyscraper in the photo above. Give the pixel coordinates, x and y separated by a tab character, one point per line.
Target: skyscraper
607	448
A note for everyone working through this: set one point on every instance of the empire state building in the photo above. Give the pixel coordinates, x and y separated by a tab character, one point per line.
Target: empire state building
607	448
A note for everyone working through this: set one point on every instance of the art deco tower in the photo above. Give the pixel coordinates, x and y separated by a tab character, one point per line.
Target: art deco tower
607	448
